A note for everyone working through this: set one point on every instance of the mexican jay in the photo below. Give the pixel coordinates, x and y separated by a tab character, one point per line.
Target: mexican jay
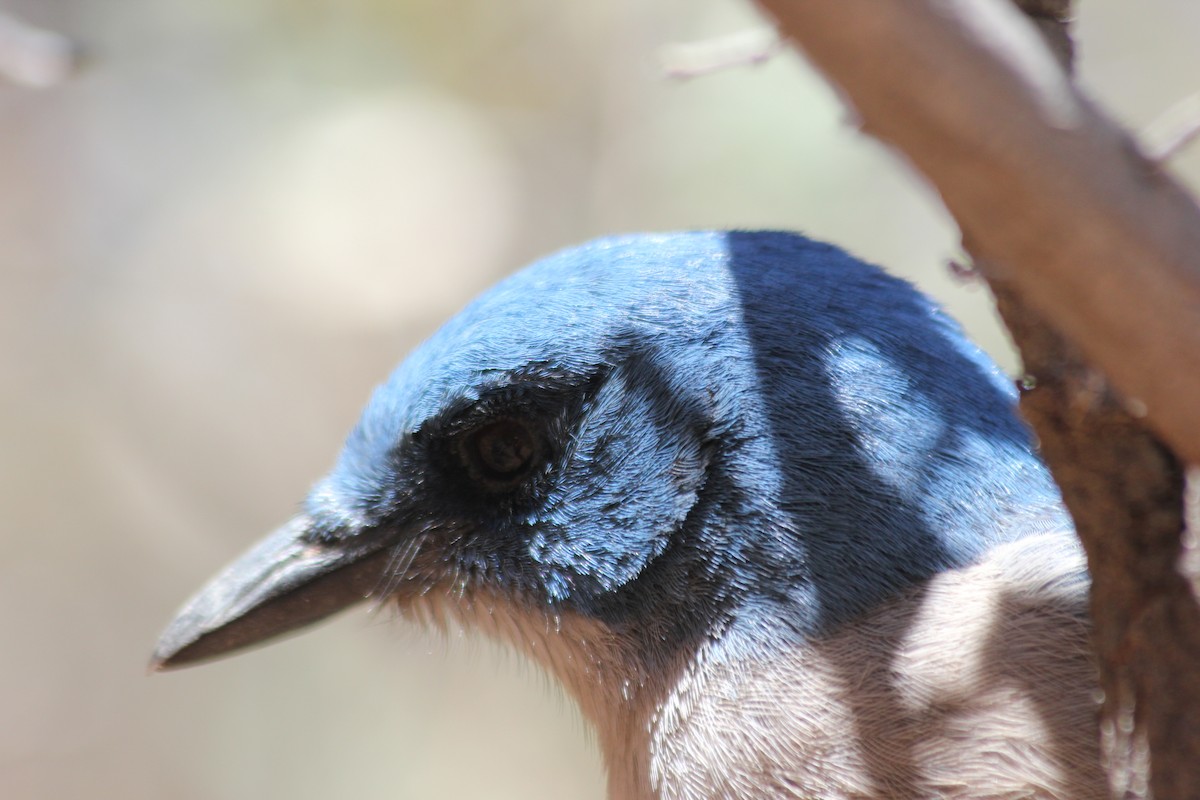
763	511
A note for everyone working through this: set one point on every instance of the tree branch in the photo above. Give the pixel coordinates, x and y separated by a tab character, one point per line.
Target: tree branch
1052	195
1090	252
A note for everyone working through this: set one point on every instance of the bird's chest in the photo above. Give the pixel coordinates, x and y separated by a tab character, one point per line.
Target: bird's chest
955	691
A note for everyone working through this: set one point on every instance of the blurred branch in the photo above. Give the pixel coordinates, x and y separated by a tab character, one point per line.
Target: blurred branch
1093	254
695	59
1178	127
34	57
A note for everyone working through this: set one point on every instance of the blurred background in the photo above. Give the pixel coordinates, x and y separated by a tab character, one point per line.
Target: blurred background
222	230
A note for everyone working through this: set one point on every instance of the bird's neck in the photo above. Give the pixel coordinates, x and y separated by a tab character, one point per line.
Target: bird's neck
595	664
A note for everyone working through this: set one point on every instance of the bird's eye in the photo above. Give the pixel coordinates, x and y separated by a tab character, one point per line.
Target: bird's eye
502	452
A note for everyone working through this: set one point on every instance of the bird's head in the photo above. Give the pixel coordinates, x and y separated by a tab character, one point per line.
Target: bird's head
673	437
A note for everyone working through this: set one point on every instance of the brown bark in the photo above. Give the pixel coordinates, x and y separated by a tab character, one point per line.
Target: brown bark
1094	257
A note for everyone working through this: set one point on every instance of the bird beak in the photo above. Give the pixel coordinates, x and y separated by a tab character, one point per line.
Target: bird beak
285	582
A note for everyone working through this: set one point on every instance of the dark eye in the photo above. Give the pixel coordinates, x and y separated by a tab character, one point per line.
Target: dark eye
502	452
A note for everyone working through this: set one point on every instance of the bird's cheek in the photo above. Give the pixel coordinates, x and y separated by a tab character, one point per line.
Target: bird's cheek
605	535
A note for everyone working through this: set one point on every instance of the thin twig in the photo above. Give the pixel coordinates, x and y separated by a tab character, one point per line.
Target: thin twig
688	60
34	57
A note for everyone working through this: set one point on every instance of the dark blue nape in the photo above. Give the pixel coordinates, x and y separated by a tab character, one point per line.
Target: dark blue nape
743	429
902	455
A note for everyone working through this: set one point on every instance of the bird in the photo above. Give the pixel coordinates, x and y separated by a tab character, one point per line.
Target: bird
762	510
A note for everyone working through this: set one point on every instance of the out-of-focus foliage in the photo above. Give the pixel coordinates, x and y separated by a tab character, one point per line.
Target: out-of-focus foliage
236	218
